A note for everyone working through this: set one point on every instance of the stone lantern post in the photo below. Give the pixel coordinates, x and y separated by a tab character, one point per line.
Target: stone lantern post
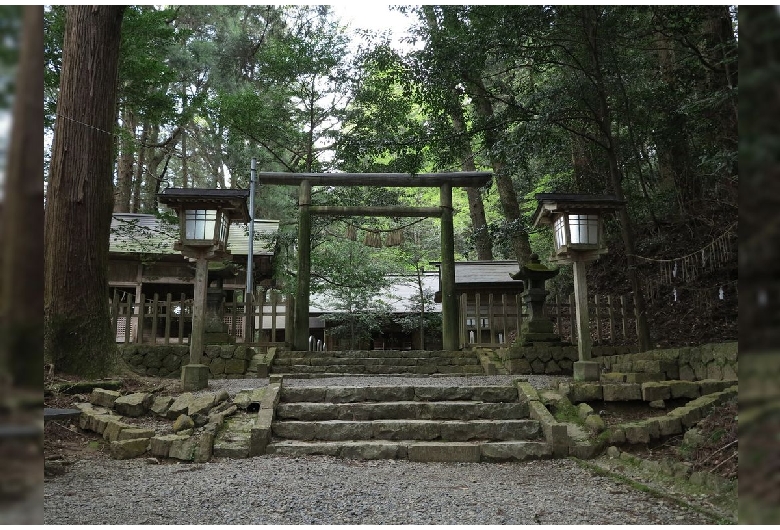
537	328
204	221
578	237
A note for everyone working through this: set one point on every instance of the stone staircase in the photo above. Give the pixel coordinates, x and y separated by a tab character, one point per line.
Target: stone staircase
301	364
418	423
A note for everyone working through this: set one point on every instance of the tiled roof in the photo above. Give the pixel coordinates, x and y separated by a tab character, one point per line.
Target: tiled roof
471	272
145	233
400	295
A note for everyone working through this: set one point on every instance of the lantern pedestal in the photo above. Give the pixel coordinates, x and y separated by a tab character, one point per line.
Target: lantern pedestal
538	328
587	370
194	377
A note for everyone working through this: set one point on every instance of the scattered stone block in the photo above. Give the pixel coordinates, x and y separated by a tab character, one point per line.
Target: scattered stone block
221	396
183	448
161	445
636	433
613	452
113	428
625	392
133	433
684	389
654	391
161	404
183	422
668	425
104	398
595	423
203	448
133	405
124	449
584	410
586	392
617	435
201	404
179	406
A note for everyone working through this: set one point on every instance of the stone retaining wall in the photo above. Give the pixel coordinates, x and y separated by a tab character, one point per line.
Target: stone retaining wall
709	361
550	358
696	363
228	361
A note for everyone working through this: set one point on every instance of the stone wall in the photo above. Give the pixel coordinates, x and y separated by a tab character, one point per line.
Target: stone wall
708	361
695	363
226	361
550	358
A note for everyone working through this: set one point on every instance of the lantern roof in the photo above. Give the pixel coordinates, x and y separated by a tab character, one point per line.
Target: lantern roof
231	201
550	203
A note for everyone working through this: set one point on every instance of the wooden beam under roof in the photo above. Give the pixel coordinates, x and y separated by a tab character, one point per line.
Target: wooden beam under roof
465	179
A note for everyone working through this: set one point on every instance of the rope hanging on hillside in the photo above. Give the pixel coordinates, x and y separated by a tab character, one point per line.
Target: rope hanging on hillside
717	253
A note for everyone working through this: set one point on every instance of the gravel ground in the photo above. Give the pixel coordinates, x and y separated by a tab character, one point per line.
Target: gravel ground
325	490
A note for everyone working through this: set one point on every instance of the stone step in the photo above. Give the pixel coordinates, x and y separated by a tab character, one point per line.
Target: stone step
355	394
475	369
631	377
423	430
417	354
372	361
416	451
234	437
397	410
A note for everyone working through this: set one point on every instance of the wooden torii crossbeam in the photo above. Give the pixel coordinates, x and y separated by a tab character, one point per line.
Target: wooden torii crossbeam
444	181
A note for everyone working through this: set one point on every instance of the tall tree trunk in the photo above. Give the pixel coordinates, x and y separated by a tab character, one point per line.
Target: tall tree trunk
506	189
482	240
139	171
21	221
184	165
125	159
604	119
77	328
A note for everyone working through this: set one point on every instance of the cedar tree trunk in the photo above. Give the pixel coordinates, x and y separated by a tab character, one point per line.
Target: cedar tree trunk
77	328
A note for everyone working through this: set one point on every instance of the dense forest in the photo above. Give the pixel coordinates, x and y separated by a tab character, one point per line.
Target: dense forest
637	102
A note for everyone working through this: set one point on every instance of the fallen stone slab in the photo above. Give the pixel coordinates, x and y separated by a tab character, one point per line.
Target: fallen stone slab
654	391
132	433
580	392
624	392
161	445
104	398
182	423
133	405
113	428
684	389
124	449
161	404
183	448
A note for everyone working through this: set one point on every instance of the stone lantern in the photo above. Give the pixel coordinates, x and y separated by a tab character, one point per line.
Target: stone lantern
578	237
534	275
204	220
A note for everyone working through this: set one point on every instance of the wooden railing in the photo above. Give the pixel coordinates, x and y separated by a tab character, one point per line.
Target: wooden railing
492	320
169	321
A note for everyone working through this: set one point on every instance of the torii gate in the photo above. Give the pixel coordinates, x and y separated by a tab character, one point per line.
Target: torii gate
445	183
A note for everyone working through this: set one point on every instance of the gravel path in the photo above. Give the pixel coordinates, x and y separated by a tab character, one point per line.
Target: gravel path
325	490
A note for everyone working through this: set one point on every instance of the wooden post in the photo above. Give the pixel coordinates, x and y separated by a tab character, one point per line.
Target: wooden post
583	321
636	315
623	314
114	312
155	316
491	323
572	325
611	310
272	299
141	314
289	319
129	318
199	310
504	316
598	318
301	339
464	306
168	315
181	319
449	306
519	306
478	321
